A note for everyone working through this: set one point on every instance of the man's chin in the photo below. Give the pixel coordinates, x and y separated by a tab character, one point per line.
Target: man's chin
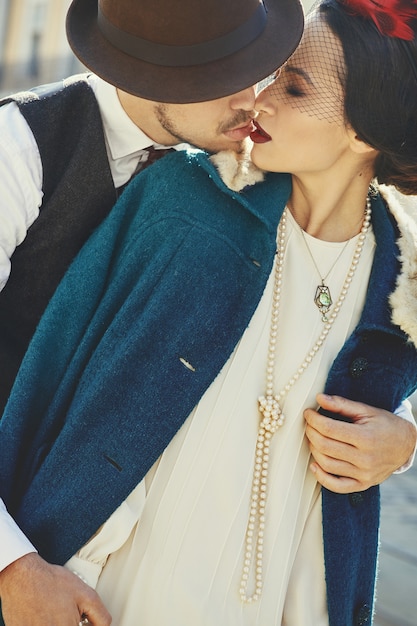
235	146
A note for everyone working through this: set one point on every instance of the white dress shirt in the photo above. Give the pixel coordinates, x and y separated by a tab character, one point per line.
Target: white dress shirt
21	166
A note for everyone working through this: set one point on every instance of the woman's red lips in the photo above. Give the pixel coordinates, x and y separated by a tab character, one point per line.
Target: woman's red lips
259	135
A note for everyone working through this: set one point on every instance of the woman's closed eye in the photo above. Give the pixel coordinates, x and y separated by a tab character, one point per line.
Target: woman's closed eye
294	90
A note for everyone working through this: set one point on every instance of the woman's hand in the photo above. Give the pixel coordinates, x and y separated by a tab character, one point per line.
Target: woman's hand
353	456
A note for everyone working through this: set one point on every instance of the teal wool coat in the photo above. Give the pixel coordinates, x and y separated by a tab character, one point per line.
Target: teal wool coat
172	279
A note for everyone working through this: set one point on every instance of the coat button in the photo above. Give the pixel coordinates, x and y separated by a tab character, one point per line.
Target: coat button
358	367
356	498
364	616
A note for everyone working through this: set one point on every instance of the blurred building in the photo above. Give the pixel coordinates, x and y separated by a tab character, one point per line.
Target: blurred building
33	44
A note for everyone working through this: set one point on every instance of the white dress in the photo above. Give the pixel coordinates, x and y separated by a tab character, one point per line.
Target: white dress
172	554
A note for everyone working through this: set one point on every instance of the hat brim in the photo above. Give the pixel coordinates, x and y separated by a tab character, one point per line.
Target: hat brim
199	83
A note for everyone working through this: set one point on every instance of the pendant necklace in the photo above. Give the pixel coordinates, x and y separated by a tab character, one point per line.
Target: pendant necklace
271	416
322	297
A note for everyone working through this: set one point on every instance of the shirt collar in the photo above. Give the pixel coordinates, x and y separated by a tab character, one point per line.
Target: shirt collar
122	135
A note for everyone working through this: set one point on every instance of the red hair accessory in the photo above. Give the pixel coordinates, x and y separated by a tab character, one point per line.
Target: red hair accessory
391	17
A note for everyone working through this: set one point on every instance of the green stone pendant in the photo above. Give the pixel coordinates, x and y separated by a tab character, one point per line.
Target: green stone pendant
323	300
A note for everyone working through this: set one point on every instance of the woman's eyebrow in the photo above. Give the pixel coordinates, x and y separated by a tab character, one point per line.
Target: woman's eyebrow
297	70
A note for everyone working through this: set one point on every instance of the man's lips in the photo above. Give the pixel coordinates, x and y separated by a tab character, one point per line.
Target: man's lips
259	135
240	132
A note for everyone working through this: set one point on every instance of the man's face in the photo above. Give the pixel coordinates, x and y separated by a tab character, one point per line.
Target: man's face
220	124
215	125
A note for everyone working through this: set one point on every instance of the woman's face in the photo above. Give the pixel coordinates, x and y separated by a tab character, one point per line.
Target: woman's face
301	126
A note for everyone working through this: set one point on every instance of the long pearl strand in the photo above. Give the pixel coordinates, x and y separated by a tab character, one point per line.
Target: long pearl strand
272	416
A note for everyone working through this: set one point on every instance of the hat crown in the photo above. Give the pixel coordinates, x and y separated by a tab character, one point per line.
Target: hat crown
178	22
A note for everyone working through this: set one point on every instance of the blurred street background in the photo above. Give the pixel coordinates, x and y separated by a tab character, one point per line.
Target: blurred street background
33	46
397	584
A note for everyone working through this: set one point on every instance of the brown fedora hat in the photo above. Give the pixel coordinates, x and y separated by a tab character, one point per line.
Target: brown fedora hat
180	51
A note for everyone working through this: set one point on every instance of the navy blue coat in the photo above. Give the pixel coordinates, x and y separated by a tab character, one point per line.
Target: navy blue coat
164	281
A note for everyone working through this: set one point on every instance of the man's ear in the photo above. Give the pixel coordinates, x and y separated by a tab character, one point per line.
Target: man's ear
358	145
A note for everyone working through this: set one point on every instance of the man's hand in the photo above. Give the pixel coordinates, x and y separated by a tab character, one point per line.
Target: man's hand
351	457
35	593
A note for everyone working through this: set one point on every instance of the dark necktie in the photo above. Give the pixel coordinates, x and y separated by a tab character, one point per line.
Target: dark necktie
153	155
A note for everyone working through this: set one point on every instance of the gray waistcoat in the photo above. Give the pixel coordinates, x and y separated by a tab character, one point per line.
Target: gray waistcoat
78	194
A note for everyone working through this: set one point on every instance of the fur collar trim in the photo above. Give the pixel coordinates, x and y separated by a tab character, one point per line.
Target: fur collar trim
404	298
237	170
238	173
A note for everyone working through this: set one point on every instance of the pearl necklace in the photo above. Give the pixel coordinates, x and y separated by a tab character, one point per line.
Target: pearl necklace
271	413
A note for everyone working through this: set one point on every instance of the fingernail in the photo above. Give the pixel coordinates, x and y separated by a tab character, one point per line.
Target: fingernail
327	397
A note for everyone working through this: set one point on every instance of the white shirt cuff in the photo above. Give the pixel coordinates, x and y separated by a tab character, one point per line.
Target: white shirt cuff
405	411
14	544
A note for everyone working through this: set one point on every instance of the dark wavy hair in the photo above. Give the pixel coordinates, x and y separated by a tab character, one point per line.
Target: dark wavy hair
380	93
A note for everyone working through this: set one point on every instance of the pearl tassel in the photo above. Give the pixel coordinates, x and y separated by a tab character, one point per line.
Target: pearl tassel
272	416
